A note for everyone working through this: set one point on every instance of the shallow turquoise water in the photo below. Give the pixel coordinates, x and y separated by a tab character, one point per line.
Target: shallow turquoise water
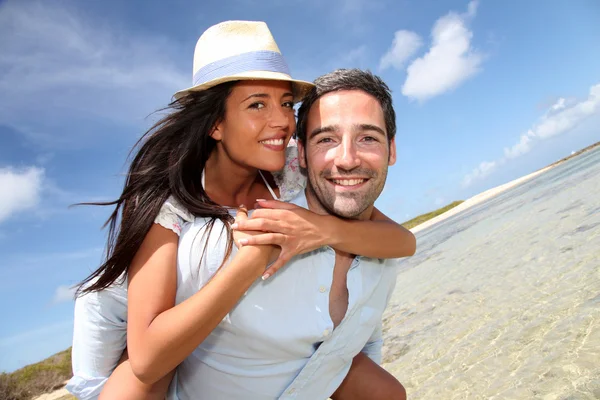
502	301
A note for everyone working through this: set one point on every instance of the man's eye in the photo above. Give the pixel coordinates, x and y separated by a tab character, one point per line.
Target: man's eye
324	140
257	105
370	139
289	104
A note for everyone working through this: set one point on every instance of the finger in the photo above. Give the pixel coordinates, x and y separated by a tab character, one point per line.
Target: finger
240	215
276	266
260	224
268	213
264	239
276	204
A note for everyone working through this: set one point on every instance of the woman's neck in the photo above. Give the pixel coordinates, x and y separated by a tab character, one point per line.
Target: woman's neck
230	184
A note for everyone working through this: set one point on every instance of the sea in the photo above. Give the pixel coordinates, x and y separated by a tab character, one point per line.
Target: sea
502	300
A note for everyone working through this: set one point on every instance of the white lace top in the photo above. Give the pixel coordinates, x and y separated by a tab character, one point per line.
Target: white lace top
290	181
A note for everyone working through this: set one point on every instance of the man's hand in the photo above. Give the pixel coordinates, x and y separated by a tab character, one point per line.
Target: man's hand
295	229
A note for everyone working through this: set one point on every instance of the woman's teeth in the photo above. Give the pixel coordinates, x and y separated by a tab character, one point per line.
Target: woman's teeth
274	142
348	182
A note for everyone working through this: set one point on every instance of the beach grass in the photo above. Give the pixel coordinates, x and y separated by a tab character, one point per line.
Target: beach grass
425	217
35	379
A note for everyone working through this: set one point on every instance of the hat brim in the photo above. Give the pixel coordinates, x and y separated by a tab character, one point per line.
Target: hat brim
301	88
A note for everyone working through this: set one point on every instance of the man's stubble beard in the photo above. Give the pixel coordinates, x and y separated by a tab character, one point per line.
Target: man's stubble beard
327	198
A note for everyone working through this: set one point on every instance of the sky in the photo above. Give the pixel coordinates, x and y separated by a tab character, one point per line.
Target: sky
484	91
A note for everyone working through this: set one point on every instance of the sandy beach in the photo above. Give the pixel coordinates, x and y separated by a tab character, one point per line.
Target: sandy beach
488	194
501	300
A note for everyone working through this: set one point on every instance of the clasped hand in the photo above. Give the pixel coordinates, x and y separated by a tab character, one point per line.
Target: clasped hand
293	229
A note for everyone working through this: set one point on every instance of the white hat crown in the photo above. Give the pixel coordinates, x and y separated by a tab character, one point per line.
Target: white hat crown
239	50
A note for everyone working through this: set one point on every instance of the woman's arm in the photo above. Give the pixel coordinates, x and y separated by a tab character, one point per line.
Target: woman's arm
161	335
297	230
380	237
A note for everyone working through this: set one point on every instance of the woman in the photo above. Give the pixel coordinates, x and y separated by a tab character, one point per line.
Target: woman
201	161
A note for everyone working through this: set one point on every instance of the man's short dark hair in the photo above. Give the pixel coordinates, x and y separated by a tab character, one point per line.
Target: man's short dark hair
349	79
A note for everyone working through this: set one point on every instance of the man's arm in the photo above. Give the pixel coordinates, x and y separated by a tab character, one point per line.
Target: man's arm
373	347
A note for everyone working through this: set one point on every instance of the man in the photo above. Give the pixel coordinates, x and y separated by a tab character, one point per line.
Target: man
346	141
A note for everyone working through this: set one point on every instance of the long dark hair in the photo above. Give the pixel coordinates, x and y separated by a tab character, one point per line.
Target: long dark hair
167	161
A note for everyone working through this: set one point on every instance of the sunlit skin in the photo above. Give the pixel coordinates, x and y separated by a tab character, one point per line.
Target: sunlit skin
347	154
259	122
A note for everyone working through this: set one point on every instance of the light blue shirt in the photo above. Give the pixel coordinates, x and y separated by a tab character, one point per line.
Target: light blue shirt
279	341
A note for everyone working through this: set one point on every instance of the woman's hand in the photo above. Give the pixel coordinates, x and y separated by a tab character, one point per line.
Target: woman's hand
242	237
295	229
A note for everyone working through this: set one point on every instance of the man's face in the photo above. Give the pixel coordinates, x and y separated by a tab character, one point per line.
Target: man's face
347	153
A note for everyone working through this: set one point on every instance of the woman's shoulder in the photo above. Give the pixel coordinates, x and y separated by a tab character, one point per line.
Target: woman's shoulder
291	179
173	215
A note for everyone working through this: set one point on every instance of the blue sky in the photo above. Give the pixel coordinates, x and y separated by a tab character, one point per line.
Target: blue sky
485	92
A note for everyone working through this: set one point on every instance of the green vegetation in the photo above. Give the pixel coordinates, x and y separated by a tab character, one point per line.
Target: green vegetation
425	217
35	379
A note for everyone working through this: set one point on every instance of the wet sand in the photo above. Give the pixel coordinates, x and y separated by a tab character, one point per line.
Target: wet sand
502	300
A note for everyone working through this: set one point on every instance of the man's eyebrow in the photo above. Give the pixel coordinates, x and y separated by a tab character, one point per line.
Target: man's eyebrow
266	96
369	127
322	129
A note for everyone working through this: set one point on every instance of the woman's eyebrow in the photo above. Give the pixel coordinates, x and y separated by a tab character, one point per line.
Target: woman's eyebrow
266	95
258	95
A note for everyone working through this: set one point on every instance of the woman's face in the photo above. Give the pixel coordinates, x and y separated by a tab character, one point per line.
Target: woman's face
259	122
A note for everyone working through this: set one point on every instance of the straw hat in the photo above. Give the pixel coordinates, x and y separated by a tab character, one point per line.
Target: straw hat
239	50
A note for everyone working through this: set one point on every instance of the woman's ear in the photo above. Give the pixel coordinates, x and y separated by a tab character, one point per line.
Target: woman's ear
217	132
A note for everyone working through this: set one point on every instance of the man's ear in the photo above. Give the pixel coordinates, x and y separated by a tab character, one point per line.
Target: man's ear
392	159
301	154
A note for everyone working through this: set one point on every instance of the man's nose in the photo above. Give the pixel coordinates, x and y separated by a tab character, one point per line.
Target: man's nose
347	155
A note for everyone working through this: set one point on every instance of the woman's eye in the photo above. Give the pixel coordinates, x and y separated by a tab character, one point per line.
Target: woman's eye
289	104
257	105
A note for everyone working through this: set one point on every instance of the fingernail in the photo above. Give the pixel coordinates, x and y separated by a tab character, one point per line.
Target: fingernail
243	242
234	225
261	200
265	277
242	206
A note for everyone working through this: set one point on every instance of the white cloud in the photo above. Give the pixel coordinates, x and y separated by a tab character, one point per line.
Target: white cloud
404	46
59	63
51	47
450	61
63	294
482	171
20	190
562	117
559	105
520	148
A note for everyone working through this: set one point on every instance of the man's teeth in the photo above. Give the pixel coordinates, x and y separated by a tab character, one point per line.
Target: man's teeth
348	182
274	142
